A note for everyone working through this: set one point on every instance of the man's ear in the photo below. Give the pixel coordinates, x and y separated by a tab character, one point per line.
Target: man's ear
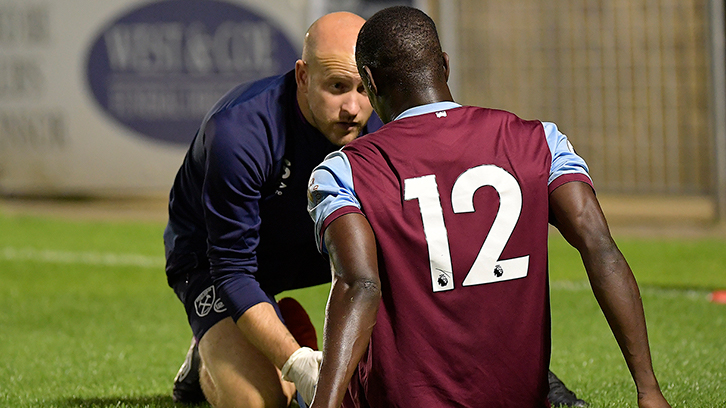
447	68
301	75
368	80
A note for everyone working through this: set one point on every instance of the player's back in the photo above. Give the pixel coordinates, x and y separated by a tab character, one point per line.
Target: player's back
458	200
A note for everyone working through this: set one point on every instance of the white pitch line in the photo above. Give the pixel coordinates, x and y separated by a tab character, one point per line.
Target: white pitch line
144	261
583	285
86	258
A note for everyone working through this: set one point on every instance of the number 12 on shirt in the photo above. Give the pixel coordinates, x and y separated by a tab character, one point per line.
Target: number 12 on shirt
487	267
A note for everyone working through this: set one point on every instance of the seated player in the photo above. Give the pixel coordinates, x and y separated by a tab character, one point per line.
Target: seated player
436	227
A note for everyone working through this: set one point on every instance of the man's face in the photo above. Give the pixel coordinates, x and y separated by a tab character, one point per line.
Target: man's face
337	101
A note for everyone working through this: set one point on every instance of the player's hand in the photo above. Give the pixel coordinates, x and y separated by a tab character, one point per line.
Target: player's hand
652	399
302	368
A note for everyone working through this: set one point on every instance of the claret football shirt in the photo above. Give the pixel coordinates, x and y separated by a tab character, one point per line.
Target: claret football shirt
458	199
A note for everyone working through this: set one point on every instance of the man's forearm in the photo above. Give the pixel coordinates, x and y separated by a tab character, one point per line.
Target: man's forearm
351	315
267	333
252	309
619	297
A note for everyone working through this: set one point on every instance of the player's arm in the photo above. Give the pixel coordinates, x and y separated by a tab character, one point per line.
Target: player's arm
577	214
237	166
352	306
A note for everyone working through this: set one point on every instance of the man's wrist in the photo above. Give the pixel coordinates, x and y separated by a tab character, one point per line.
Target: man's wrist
647	386
285	370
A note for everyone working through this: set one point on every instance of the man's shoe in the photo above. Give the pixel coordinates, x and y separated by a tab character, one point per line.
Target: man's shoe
187	389
560	396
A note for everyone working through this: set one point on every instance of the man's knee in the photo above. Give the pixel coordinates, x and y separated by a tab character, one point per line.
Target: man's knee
208	387
235	374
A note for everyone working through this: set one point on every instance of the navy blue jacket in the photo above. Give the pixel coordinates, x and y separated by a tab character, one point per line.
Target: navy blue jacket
238	206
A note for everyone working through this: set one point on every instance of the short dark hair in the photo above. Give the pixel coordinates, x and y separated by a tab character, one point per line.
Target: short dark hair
401	43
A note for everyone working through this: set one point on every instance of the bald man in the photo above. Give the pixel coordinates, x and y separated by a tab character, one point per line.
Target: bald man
238	231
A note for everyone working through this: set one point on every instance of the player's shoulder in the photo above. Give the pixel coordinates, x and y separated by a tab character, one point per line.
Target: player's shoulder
252	109
255	96
503	116
366	142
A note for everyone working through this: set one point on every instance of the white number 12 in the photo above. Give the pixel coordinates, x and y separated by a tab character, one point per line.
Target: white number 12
487	267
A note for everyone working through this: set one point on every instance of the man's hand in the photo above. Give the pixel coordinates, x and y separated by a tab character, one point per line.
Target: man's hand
302	368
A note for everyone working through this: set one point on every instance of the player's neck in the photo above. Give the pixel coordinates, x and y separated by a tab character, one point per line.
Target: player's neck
400	102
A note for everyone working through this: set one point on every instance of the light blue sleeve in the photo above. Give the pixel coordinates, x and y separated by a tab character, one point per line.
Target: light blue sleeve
564	158
330	188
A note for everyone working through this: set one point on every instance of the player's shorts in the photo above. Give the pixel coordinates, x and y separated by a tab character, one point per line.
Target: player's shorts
203	304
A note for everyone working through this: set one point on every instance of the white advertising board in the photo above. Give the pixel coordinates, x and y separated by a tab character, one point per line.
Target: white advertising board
103	97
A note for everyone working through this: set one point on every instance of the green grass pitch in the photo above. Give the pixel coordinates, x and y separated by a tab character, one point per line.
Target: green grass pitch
87	320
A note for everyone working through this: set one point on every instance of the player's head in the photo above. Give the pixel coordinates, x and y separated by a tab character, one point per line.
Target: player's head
330	92
399	56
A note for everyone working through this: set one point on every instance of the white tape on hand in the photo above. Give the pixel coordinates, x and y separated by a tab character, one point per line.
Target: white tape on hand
302	368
